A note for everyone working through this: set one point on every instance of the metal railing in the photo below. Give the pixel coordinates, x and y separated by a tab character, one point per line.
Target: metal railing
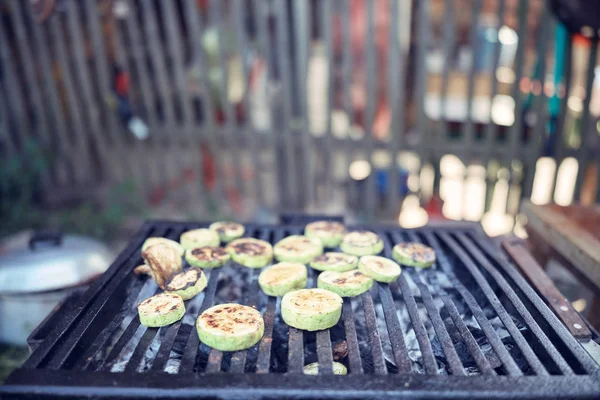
273	103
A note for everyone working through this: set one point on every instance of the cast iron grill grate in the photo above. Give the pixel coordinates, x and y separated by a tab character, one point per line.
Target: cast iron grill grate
470	327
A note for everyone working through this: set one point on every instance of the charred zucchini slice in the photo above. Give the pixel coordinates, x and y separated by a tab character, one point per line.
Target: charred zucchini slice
298	248
362	243
252	253
154	240
187	283
227	231
379	268
330	233
199	238
414	254
313	369
311	309
161	310
207	257
230	327
339	262
346	284
283	277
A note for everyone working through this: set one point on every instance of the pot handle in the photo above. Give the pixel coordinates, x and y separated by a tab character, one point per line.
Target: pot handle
45	239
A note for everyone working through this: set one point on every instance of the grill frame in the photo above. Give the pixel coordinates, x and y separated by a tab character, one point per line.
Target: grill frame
43	374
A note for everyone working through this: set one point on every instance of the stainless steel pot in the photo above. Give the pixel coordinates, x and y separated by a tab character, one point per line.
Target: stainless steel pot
38	273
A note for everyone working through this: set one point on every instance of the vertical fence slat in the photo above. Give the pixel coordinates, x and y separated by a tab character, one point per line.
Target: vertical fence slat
449	41
326	23
420	86
31	80
283	47
82	163
468	128
538	137
370	53
74	27
240	14
6	137
215	14
396	69
585	145
515	132
347	71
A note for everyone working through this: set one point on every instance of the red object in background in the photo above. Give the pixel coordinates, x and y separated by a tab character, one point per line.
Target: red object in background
122	83
434	208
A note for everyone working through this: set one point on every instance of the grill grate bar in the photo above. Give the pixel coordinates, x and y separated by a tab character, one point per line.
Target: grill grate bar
455	365
374	338
351	339
264	348
518	304
394	330
528	353
141	349
138	291
295	351
508	362
191	348
118	347
482	363
582	356
324	353
429	363
215	359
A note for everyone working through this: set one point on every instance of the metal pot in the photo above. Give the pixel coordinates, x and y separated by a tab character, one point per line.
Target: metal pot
38	273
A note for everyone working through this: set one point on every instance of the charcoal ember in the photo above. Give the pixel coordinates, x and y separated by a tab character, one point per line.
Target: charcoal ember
340	350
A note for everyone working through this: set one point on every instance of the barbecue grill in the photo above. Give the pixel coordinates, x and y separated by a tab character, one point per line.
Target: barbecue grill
470	327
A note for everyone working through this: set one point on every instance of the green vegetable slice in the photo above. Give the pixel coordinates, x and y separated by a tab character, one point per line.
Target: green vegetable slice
311	309
249	252
298	248
230	327
339	262
346	284
154	240
313	369
161	310
362	243
207	257
187	283
228	231
330	233
379	268
283	277
414	254
199	238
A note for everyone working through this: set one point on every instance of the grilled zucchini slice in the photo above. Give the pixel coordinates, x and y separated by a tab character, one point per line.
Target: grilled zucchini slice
161	310
346	284
207	257
228	231
414	254
379	268
154	240
311	309
298	248
361	243
199	238
283	277
252	253
339	262
187	283
313	369
230	327
330	233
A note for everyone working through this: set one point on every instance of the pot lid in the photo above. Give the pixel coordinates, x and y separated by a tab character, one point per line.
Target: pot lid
51	261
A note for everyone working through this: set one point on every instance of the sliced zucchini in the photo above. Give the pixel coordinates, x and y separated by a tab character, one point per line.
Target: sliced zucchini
330	233
164	261
199	238
230	327
339	262
187	283
228	231
207	257
361	243
298	248
154	240
283	277
252	253
313	369
379	268
161	310
414	254
311	309
346	284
